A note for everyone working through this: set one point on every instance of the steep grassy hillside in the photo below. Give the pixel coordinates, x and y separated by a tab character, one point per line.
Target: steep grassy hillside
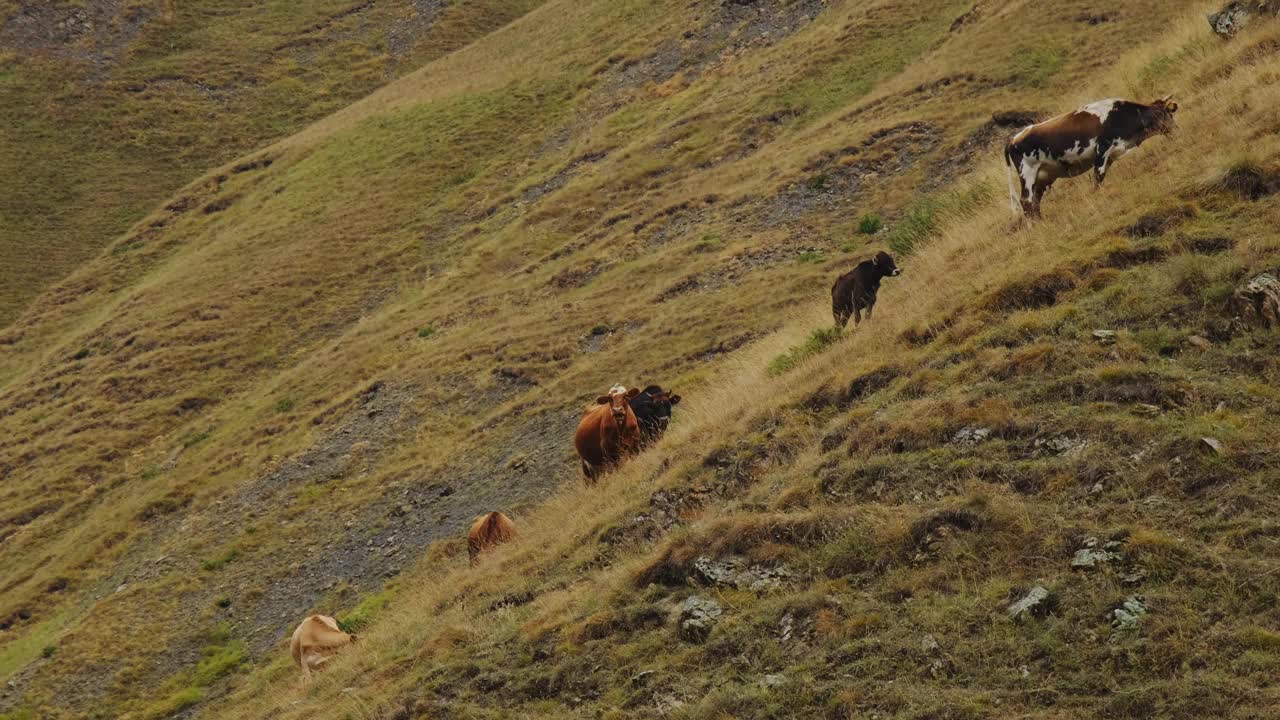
300	378
109	107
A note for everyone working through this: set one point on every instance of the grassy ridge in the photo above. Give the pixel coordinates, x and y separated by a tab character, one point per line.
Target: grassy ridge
104	124
234	336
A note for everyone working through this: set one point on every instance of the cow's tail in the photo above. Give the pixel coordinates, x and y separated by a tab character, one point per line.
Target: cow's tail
1014	201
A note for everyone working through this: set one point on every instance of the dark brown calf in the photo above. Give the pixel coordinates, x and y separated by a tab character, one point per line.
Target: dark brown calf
856	290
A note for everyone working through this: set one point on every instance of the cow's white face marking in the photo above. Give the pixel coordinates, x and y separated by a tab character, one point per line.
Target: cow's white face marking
1101	108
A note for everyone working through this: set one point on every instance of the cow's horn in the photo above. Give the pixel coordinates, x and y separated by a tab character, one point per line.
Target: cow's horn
1166	98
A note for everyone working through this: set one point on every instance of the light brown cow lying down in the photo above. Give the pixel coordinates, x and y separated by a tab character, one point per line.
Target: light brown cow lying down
315	641
488	530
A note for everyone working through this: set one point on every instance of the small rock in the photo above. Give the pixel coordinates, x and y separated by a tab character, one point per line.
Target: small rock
1033	604
1106	337
122	588
1210	446
929	644
698	615
1091	555
1145	409
1062	445
971	435
1134	578
1200	342
715	572
1096	489
640	678
1130	611
1236	14
786	626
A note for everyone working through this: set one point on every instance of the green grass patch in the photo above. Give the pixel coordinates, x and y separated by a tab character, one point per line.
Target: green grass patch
217	563
363	614
922	221
811	257
1035	67
708	243
426	332
818	341
870	224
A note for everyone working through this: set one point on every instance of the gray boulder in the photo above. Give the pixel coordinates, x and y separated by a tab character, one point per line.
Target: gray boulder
698	615
715	572
1236	14
1257	302
1033	604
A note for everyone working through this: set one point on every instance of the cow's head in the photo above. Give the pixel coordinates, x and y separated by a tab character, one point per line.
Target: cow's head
1160	116
618	400
654	404
884	262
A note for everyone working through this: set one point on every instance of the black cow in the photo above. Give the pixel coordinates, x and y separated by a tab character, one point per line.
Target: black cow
652	408
855	291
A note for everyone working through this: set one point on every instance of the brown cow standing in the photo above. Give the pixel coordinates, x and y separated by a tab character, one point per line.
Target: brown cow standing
1071	144
488	530
315	641
608	432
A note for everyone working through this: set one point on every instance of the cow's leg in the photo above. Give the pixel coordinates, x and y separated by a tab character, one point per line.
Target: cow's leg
1101	163
857	314
840	310
1038	191
588	472
870	306
1027	173
306	668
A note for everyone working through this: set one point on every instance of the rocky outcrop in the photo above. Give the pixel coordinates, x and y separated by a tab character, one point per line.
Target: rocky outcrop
1236	14
737	573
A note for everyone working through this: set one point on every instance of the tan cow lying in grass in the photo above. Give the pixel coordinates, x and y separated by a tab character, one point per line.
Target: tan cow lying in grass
488	530
315	641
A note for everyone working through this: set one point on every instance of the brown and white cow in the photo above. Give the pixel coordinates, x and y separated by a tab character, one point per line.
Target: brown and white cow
488	530
1092	137
315	641
608	432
